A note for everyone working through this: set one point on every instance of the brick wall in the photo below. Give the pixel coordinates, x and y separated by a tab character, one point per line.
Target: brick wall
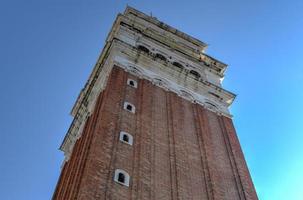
180	150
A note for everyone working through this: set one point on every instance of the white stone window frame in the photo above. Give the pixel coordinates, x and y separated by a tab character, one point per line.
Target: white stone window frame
130	138
129	80
126	176
133	110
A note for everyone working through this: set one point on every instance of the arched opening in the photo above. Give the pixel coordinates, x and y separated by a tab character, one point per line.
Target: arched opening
178	65
160	56
195	74
143	48
215	95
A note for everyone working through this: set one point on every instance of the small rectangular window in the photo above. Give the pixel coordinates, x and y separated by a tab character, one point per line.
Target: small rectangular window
132	83
122	177
126	138
129	107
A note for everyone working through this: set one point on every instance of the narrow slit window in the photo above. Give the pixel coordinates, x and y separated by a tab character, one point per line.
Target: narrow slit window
125	138
121	178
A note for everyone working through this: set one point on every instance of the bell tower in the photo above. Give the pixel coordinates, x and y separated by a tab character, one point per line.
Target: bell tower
152	122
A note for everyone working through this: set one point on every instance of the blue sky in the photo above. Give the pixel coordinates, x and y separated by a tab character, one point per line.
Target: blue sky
48	49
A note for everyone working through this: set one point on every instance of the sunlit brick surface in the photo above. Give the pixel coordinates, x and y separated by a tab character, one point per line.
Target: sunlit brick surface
180	150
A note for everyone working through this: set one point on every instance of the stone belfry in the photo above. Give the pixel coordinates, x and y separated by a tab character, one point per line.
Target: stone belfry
152	122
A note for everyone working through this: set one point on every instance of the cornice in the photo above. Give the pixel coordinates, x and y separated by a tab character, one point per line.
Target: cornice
172	42
166	67
130	10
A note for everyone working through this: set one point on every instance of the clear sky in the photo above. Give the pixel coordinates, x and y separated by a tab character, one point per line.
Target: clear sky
48	49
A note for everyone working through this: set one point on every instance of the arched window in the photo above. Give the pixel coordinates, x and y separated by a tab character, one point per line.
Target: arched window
160	56
195	74
121	177
126	138
176	64
132	83
143	48
129	107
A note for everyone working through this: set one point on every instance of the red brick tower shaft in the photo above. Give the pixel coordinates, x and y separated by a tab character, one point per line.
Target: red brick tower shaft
152	123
